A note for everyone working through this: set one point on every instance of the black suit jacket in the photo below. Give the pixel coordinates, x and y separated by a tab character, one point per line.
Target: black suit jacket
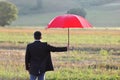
38	57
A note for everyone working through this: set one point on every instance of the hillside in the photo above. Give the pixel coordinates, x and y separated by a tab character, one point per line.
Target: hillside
99	12
27	6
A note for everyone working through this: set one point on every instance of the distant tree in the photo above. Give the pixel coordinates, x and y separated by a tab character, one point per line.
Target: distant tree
77	11
8	13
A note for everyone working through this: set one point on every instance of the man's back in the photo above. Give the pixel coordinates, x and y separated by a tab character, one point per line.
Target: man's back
38	51
39	57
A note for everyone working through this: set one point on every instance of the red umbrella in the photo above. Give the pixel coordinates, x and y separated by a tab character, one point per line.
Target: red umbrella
69	21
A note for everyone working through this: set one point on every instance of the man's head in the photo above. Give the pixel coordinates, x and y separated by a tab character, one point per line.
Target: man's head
37	35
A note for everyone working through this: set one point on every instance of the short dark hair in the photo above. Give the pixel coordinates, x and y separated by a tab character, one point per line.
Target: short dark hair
37	35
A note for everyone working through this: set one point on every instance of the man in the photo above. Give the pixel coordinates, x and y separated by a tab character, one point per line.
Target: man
38	57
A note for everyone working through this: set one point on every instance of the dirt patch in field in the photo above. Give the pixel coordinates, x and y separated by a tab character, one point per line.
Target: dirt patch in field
90	48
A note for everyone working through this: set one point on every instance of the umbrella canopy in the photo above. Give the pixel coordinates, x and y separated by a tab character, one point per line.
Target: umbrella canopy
69	21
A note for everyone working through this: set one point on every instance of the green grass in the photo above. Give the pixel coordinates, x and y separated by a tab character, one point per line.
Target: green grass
75	38
88	67
81	74
15	37
94	54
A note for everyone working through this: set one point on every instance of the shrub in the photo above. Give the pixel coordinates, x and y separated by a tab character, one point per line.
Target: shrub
77	11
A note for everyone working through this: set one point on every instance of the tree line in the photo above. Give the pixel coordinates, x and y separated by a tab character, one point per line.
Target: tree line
9	12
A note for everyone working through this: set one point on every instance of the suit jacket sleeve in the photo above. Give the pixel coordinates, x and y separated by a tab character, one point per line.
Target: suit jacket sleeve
27	58
56	49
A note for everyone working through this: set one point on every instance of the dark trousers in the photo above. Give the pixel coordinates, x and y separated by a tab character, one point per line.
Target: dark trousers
40	77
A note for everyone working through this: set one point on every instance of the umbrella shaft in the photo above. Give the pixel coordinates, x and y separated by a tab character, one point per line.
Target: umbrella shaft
68	38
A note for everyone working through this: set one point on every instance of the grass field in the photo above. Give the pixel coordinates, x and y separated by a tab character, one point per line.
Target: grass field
94	53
